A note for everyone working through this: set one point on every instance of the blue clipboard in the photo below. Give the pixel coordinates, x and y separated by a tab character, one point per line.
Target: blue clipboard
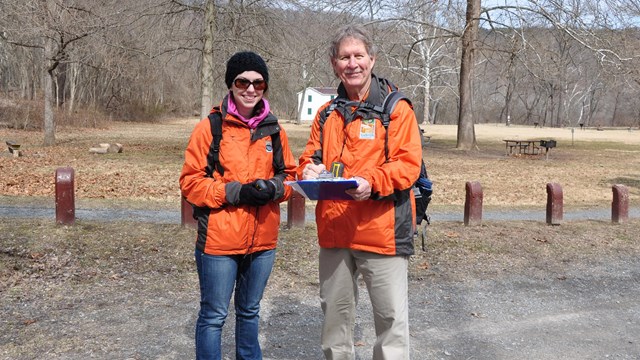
324	189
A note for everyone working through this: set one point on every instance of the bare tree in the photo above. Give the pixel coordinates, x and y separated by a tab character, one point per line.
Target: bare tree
466	129
426	52
54	28
553	62
565	47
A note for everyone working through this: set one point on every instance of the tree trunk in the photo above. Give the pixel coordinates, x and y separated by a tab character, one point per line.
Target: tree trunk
426	115
300	103
511	84
305	85
207	59
466	130
49	122
615	109
425	57
73	86
61	84
560	116
433	111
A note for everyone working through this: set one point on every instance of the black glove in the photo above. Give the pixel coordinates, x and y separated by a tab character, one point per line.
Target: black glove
252	194
267	186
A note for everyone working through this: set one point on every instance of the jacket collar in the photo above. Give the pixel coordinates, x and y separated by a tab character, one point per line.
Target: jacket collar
377	91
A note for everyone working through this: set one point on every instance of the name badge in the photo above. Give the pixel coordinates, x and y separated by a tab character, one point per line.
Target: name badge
368	129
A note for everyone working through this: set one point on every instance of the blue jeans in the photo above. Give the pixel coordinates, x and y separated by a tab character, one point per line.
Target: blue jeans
218	276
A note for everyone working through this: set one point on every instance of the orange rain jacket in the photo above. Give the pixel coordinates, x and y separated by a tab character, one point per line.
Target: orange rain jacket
225	229
384	225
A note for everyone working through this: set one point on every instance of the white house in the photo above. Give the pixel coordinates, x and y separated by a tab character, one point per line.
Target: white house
312	98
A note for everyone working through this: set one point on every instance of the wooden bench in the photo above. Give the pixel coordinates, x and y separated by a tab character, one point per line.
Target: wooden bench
14	148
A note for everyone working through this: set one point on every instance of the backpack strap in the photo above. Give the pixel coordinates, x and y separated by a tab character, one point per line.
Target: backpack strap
389	104
278	154
213	158
338	104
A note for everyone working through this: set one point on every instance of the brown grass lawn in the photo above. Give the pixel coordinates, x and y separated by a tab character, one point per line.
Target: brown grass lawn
586	164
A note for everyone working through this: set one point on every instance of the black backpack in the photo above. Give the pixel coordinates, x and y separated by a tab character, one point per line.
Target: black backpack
213	157
422	188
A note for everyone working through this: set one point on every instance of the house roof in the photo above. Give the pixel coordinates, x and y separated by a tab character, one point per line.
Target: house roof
323	90
326	90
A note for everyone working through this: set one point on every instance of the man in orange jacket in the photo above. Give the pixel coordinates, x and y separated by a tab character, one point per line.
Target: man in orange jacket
372	235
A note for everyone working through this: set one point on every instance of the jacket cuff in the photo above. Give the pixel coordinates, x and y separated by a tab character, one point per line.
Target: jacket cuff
277	182
232	192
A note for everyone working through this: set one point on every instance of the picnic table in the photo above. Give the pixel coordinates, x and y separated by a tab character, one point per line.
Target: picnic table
521	147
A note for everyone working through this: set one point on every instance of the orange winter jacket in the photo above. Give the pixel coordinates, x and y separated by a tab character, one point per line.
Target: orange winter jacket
245	155
383	224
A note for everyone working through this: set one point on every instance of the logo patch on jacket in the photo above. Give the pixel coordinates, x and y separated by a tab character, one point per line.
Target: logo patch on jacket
368	129
269	146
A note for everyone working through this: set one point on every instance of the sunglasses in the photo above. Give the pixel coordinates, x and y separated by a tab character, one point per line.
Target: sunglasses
243	84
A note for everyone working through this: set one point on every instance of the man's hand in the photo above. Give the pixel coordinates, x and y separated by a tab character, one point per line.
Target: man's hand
311	171
362	192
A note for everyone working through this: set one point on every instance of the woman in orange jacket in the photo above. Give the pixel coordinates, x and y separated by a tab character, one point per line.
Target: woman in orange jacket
236	202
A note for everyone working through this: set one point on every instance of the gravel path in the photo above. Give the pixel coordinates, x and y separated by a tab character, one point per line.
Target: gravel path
588	313
173	217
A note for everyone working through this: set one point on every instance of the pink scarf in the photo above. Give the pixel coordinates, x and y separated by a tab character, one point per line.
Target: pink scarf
254	121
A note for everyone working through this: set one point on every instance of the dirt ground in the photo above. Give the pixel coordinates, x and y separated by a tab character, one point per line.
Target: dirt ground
502	290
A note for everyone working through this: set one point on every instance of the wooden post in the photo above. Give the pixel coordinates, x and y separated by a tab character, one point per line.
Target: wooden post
186	213
620	204
65	196
295	210
473	203
554	204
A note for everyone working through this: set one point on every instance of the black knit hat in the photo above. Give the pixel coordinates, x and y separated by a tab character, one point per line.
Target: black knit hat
245	61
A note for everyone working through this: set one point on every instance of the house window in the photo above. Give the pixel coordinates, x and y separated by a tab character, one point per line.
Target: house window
309	98
309	111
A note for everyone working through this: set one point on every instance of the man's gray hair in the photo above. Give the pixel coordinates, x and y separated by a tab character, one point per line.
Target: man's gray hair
357	32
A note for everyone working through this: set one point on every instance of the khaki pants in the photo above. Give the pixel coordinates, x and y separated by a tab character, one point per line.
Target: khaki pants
387	284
